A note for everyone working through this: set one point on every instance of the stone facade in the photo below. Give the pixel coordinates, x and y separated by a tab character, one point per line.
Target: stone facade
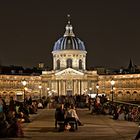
11	85
126	87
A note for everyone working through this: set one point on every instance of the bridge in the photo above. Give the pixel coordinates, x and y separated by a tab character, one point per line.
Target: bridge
96	127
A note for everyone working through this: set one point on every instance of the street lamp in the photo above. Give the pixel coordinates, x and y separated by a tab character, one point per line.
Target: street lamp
90	89
40	87
48	91
86	91
112	88
24	83
97	87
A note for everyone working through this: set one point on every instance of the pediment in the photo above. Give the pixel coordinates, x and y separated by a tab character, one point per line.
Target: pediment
70	72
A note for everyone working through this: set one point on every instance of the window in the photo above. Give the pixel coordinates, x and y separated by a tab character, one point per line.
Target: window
80	64
58	64
69	63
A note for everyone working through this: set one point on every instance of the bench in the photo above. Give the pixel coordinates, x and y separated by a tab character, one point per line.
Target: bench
61	125
73	125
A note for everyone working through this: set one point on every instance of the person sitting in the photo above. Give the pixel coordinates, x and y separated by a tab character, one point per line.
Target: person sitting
40	105
14	129
60	116
72	116
3	125
24	118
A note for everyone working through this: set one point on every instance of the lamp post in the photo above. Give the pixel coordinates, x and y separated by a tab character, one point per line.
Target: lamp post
40	87
90	89
97	87
112	89
24	83
48	91
86	91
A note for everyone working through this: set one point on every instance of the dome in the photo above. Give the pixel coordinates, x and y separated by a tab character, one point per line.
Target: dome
69	41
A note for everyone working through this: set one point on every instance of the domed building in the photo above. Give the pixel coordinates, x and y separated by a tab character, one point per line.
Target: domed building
69	75
69	52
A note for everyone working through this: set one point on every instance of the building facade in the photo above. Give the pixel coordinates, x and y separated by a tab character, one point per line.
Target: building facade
126	87
70	77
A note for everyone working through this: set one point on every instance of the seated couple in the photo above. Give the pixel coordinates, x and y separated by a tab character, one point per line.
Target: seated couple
66	116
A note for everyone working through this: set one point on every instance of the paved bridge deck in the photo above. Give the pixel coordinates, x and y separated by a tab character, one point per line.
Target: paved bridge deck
96	127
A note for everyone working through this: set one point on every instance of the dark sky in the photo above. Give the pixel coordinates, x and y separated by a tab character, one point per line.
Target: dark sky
110	30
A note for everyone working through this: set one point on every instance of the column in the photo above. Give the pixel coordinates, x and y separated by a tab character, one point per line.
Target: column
65	88
58	87
77	86
80	86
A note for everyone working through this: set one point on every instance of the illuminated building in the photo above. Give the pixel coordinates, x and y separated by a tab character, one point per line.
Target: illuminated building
70	77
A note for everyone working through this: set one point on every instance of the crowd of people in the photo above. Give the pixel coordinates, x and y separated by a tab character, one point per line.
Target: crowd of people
118	110
14	113
100	105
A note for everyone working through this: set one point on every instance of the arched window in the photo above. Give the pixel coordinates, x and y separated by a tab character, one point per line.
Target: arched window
80	64
58	64
69	63
128	92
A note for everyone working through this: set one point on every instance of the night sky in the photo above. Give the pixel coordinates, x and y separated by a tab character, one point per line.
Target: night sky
110	30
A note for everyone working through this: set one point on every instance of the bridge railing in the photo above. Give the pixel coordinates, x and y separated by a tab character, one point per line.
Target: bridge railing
125	110
127	103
